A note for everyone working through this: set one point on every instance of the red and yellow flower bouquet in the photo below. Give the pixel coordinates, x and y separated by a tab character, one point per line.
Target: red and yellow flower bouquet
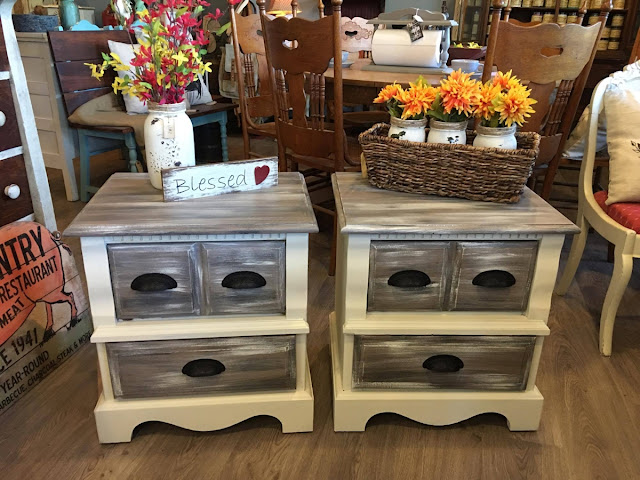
170	54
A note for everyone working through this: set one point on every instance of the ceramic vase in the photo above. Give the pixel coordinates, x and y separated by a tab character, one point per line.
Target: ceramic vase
168	139
500	137
447	132
69	14
409	130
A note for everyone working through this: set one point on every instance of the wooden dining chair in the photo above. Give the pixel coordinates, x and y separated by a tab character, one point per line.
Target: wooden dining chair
255	97
298	55
555	61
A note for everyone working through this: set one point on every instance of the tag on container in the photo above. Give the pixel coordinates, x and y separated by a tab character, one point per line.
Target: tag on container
415	28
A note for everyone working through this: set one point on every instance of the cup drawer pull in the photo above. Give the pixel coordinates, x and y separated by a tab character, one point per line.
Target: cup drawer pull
203	367
409	279
494	279
243	280
153	282
443	364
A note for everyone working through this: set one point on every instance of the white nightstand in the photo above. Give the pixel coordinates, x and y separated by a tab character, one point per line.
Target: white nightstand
199	306
441	305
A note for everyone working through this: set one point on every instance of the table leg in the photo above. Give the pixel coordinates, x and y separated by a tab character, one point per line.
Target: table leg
223	136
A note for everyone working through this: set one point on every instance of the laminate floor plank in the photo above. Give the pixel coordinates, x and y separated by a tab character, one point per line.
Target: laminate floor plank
590	423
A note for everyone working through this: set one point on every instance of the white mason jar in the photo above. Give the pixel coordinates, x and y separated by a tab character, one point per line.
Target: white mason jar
500	137
447	132
409	130
168	140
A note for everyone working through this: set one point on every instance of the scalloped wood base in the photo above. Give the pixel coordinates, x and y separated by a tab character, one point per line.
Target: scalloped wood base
116	419
353	409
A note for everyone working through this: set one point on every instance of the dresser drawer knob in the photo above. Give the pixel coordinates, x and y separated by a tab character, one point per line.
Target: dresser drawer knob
243	280
12	191
443	364
203	367
3	118
409	279
153	282
494	279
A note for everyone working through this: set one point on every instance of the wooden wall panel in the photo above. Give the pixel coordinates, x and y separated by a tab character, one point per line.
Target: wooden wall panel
9	133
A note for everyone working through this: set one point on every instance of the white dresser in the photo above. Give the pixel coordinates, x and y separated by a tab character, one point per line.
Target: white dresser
56	138
199	306
441	305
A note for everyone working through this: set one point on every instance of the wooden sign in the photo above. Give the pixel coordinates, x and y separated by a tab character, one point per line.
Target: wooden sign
44	313
208	180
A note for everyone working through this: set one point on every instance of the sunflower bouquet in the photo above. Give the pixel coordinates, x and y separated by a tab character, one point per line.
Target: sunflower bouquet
408	104
170	54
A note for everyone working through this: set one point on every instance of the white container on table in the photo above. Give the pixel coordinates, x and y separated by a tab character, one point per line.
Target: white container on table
447	132
199	307
168	140
394	47
417	329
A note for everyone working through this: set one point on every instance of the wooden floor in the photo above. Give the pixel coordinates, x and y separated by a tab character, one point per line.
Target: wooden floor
590	425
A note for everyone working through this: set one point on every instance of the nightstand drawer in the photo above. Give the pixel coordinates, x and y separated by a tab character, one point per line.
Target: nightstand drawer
442	362
407	275
492	275
154	280
13	174
9	133
203	366
244	277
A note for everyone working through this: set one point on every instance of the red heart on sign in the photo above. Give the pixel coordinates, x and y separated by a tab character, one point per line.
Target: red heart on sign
261	174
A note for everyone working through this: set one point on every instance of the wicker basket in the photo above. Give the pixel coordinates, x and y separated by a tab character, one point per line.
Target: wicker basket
465	171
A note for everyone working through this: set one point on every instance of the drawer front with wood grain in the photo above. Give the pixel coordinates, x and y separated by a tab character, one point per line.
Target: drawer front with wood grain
170	368
407	275
15	199
9	133
442	362
492	275
244	277
154	280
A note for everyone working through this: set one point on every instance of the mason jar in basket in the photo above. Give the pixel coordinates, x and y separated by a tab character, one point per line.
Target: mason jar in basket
447	132
409	130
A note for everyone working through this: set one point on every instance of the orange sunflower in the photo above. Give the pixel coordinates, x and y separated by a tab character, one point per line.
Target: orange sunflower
416	101
387	93
484	105
514	105
506	81
458	92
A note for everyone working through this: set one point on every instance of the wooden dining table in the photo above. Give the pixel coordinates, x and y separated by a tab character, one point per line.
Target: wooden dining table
362	86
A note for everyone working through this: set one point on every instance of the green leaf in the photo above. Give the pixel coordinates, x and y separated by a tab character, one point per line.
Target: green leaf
145	84
223	28
106	57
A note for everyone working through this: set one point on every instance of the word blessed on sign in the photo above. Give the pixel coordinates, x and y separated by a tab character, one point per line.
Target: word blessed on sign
207	180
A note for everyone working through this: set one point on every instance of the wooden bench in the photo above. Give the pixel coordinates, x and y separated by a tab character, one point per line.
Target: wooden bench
70	52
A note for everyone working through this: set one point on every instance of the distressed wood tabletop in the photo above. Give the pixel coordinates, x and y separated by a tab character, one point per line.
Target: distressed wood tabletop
127	204
363	208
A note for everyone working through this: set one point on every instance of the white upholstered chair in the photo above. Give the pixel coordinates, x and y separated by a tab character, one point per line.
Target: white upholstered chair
618	223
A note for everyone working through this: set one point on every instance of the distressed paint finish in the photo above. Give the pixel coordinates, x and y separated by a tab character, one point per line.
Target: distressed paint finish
176	260
388	258
25	119
285	208
474	258
266	259
366	209
155	368
396	362
210	180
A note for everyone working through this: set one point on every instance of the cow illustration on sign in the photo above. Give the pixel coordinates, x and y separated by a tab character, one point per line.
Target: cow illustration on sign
31	271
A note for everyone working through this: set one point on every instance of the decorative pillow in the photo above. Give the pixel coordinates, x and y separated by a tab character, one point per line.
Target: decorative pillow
577	141
197	92
126	52
622	110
